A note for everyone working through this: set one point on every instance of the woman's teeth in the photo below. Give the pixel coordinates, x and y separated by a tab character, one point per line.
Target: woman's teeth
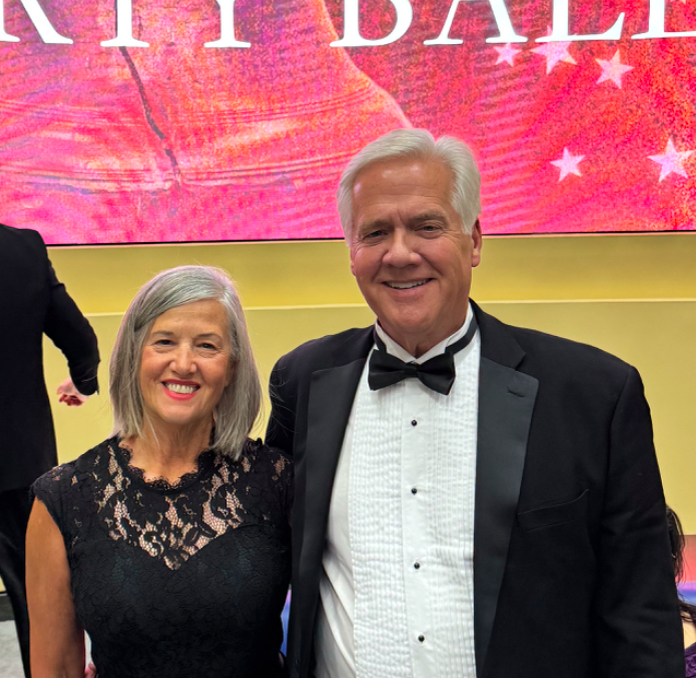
180	388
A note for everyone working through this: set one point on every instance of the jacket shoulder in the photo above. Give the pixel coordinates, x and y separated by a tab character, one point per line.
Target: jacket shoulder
319	353
553	357
26	235
22	247
533	341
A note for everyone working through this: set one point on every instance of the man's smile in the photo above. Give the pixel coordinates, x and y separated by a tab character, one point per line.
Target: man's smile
406	285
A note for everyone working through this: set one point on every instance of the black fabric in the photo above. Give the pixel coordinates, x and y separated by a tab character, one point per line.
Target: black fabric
587	589
181	580
33	303
506	404
437	374
15	506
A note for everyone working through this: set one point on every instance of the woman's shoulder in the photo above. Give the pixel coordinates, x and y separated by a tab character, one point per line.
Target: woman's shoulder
68	491
260	465
66	476
267	474
261	456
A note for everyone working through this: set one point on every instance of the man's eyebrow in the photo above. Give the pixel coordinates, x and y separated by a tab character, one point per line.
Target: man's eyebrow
431	215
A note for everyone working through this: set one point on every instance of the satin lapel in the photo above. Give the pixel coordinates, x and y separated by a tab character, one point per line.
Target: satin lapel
506	403
330	400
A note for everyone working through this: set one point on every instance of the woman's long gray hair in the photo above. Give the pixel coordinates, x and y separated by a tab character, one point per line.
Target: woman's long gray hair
239	404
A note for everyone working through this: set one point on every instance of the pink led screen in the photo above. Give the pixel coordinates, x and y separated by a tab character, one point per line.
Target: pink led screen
193	120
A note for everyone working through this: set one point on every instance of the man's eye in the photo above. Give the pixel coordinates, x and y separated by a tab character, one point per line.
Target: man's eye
371	235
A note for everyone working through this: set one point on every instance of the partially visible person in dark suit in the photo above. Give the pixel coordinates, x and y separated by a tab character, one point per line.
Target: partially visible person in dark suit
472	499
32	303
687	609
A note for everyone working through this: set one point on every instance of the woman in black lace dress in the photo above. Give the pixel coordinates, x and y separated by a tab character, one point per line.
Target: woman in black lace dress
169	542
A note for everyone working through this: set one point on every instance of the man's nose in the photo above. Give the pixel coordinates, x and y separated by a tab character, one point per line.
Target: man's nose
401	250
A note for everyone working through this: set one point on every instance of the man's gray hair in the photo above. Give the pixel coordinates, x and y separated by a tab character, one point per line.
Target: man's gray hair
238	407
419	144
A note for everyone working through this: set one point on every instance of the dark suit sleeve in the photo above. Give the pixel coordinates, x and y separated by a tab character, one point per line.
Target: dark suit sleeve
281	425
71	332
638	630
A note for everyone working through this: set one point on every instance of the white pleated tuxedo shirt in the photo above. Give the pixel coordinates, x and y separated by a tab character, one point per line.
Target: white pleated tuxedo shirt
396	594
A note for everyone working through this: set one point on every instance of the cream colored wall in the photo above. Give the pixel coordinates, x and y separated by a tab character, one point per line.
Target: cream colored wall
633	295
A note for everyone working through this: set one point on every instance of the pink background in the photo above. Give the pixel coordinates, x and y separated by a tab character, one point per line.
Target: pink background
178	142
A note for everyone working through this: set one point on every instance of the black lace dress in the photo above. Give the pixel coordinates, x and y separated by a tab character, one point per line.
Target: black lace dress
177	581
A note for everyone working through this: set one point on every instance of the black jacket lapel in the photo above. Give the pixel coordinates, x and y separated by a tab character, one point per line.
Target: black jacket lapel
330	400
506	403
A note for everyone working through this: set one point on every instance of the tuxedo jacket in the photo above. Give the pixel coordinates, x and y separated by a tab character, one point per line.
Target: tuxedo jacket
33	302
572	567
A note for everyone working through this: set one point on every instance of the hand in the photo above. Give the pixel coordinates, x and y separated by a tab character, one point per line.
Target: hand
70	395
91	671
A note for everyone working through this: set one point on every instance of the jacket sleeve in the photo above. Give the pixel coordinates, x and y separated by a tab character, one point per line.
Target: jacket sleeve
281	425
71	332
638	628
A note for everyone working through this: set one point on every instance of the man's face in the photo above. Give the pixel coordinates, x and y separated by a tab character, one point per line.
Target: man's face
409	255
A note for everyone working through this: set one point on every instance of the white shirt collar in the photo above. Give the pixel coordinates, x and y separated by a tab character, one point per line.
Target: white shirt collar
397	350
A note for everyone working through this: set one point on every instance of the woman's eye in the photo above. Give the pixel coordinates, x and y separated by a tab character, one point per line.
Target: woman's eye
208	347
164	342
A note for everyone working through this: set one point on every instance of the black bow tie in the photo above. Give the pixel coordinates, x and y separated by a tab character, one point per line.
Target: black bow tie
438	373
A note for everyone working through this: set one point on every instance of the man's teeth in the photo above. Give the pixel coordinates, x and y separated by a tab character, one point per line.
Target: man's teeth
406	285
181	388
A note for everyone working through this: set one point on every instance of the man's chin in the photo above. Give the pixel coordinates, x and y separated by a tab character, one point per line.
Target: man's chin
407	329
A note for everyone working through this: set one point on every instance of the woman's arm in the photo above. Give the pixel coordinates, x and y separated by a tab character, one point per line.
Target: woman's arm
57	640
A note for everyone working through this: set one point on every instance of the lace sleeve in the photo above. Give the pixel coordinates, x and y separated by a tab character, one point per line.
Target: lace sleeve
49	490
286	480
271	476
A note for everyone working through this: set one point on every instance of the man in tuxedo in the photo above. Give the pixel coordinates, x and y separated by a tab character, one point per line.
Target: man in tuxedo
472	499
32	302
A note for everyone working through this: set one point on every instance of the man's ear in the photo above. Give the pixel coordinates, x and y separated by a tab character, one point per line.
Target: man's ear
477	240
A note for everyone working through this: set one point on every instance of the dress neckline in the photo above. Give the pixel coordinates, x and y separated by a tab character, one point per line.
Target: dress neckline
205	463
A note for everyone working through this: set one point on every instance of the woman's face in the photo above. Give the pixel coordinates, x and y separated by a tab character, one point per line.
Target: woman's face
185	365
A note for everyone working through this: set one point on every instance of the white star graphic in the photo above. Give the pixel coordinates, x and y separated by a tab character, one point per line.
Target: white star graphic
671	160
507	54
613	70
568	164
555	52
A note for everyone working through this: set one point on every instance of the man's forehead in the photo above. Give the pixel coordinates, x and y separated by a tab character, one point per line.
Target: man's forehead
394	169
410	187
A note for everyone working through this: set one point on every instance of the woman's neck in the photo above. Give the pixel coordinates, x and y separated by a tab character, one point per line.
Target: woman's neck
168	452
